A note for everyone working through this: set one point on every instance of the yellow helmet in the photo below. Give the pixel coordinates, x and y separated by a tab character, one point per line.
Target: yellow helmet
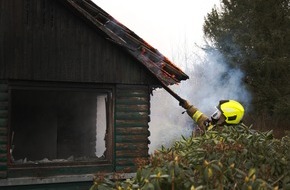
232	110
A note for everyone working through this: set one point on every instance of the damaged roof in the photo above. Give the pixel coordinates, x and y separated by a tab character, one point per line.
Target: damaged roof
155	62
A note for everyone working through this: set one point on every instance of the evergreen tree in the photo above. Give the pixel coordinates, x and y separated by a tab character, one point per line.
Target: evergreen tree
255	36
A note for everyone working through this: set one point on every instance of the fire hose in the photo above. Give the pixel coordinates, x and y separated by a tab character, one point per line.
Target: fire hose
177	97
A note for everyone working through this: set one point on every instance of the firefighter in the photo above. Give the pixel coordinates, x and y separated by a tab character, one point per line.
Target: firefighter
228	112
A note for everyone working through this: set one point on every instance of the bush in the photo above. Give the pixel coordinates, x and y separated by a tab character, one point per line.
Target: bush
232	157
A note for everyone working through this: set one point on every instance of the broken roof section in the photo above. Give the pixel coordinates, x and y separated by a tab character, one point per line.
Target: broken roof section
157	64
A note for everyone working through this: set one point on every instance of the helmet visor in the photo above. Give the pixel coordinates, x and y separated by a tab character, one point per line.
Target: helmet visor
216	115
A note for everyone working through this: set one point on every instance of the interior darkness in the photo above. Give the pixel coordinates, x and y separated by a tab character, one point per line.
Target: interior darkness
53	124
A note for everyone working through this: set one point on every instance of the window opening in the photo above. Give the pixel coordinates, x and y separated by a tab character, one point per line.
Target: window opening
101	121
58	125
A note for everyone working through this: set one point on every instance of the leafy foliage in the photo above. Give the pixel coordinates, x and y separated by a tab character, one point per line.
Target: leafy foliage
255	36
232	157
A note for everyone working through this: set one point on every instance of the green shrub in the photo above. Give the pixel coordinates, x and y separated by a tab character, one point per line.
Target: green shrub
232	157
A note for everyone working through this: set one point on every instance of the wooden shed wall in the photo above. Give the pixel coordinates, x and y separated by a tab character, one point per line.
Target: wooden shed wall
44	40
3	128
132	112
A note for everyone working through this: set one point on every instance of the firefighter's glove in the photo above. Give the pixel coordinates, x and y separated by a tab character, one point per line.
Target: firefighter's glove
185	104
203	122
201	119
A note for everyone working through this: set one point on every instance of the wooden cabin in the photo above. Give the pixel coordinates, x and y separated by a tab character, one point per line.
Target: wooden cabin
75	89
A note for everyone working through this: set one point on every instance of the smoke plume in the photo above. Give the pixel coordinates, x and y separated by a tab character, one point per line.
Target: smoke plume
211	80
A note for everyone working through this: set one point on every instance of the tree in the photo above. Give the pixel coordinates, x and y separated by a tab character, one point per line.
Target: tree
255	36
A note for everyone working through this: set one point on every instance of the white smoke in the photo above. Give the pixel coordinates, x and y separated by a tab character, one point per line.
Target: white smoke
210	80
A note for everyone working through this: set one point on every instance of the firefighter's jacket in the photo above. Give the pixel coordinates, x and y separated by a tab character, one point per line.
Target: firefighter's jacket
200	118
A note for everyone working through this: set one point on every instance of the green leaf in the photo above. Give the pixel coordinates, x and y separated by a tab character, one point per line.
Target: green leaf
216	167
251	172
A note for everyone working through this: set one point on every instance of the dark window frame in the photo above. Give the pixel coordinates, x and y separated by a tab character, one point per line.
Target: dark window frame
65	168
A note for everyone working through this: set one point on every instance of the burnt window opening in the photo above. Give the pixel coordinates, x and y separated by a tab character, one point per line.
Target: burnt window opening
63	125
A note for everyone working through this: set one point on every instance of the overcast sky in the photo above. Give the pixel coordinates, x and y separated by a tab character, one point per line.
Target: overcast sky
167	25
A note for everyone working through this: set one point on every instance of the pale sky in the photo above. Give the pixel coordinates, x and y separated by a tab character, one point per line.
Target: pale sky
170	26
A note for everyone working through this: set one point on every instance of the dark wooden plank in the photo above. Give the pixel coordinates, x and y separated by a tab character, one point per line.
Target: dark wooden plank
3	113
132	130
51	186
3	149
132	116
125	161
3	96
3	87
3	106
3	122
131	154
133	108
3	128
3	139
131	146
3	158
132	93
42	171
3	166
132	138
132	123
3	131
132	100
